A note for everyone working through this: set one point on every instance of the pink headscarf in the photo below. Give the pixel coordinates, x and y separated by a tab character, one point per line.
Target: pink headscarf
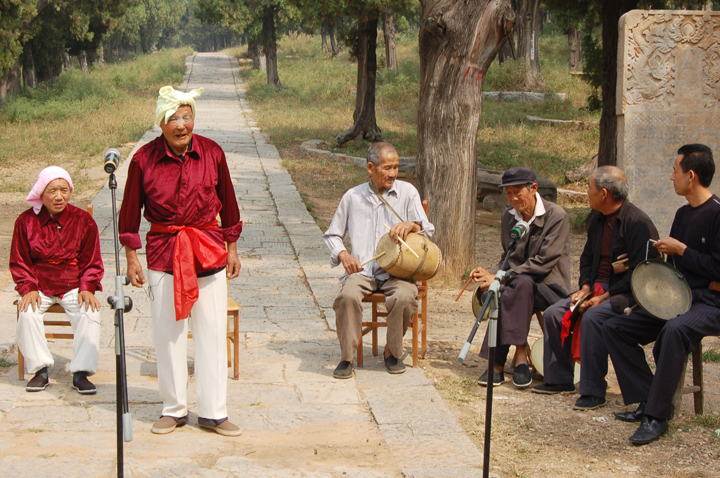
46	176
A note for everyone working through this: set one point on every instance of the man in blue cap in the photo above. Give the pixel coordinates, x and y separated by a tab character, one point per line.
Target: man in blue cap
539	270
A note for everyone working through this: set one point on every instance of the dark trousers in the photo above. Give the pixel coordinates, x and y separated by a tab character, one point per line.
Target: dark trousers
675	340
518	303
559	366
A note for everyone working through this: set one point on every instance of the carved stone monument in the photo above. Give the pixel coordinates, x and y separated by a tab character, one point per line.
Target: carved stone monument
668	94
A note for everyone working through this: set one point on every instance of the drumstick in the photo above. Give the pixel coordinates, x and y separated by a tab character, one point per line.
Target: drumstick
404	243
463	289
370	260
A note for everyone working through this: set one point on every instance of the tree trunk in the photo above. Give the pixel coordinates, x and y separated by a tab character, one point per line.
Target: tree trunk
83	62
66	60
612	10
254	51
101	55
323	35
458	41
365	124
10	82
333	41
270	45
528	29
507	50
389	34
575	48
29	76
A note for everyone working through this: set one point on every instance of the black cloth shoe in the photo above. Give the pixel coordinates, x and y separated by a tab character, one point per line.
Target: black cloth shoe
498	378
589	402
37	383
344	370
549	389
521	376
634	416
394	365
650	430
83	385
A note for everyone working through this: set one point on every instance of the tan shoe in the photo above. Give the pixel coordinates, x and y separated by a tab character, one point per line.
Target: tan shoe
225	429
167	425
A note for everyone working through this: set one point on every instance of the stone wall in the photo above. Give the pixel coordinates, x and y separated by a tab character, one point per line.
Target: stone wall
668	95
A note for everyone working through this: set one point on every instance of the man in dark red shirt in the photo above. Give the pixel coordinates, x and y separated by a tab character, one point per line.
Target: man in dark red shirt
55	259
182	182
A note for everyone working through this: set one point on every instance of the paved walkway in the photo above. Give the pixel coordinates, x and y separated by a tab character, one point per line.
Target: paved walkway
298	421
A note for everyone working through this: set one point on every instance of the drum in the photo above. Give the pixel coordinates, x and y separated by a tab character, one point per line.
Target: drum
536	359
660	289
401	263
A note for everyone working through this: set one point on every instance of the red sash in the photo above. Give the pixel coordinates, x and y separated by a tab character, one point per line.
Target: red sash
190	244
573	328
55	262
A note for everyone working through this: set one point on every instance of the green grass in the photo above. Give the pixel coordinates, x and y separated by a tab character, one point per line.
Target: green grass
709	421
318	99
5	364
70	123
711	355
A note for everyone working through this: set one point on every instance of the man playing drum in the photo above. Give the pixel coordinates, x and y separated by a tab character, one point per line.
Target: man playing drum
182	182
539	271
55	259
618	229
694	248
363	213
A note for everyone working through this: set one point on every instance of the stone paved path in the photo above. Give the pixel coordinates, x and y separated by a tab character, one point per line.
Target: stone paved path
298	421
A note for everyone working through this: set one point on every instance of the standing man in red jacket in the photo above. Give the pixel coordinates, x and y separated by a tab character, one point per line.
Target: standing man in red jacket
55	259
182	183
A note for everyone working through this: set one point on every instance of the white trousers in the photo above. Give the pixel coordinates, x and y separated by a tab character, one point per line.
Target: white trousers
209	329
86	330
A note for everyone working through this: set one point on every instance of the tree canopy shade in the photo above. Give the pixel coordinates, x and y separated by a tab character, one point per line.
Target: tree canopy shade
458	41
258	19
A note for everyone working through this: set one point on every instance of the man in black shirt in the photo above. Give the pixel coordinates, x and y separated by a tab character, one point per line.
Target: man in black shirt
618	230
694	248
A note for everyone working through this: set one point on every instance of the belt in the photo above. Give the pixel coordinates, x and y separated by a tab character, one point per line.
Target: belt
190	244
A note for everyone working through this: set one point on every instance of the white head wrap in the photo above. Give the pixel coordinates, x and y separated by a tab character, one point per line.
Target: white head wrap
170	99
46	176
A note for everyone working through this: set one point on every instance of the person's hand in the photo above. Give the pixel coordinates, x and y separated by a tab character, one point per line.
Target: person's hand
595	301
233	261
670	246
483	277
576	296
350	263
402	229
32	298
134	269
88	299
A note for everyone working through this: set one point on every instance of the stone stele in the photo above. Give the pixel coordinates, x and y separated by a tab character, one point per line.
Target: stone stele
668	95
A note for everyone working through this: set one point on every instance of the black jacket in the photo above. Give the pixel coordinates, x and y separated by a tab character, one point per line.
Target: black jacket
630	235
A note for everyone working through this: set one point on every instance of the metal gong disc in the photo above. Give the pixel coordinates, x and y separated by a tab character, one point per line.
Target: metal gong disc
660	289
477	303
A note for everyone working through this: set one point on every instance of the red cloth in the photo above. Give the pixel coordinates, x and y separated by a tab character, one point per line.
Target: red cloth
172	192
568	327
190	243
56	255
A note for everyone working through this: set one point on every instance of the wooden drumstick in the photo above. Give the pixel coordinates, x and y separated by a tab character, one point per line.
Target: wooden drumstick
404	243
463	289
370	260
628	310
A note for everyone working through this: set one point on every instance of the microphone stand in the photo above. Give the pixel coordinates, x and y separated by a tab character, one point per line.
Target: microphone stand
120	303
492	300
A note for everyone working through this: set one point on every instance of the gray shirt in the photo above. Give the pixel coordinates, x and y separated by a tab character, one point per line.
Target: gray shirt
363	215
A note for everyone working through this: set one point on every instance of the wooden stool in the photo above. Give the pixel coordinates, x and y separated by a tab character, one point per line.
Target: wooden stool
697	388
419	325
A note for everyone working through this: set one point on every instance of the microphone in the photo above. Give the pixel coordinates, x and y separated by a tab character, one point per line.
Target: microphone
112	159
520	229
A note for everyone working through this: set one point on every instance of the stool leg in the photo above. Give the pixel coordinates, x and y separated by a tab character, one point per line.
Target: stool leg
227	340
424	325
374	329
415	325
677	399
236	344
21	366
699	396
360	351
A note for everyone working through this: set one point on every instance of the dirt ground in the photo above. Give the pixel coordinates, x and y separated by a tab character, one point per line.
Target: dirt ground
533	435
540	435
